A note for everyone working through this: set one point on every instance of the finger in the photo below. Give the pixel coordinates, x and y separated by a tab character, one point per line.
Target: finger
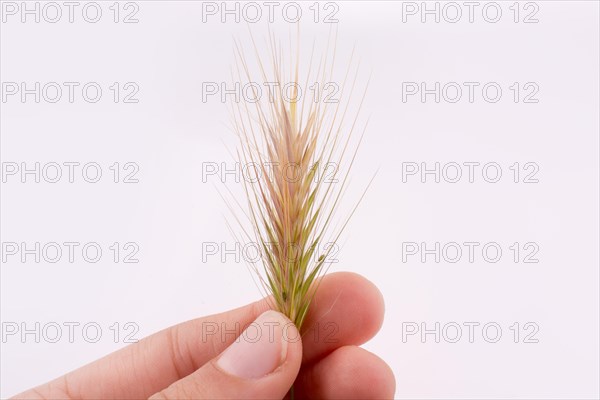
263	364
348	311
157	361
349	372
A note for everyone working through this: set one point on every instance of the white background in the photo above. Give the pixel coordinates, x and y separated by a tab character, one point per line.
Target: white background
170	132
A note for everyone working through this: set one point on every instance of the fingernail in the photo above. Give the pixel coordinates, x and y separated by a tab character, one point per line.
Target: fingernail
259	350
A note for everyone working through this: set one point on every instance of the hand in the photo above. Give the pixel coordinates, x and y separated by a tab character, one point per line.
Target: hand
198	359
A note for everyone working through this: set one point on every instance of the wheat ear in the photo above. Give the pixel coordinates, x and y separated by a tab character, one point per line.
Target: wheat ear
289	140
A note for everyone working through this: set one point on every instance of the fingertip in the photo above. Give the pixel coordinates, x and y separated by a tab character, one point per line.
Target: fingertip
361	294
349	372
372	300
347	309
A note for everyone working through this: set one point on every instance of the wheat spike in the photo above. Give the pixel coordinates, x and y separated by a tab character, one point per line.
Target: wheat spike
290	139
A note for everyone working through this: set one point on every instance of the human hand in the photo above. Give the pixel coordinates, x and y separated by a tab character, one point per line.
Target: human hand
194	360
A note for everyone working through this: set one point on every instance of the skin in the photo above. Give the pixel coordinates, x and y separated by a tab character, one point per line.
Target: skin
175	363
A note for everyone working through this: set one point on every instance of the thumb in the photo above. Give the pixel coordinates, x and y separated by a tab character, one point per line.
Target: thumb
261	363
